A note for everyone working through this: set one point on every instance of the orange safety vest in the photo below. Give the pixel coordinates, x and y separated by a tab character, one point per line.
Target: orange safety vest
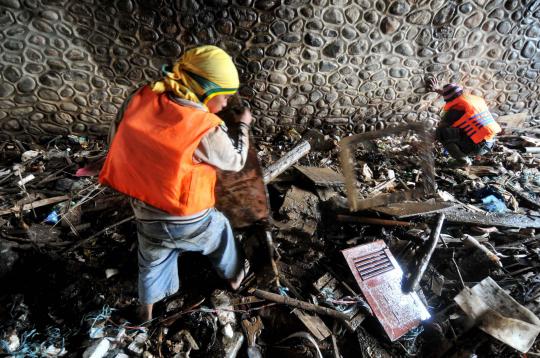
151	156
477	122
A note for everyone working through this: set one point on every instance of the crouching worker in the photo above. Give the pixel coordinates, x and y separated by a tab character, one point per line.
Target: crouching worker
164	156
466	127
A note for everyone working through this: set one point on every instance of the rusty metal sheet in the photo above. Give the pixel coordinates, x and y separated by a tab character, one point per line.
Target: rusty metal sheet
407	209
322	176
242	196
379	277
348	147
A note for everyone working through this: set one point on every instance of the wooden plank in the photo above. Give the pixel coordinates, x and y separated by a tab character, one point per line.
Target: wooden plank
35	204
314	324
322	176
406	209
493	219
513	120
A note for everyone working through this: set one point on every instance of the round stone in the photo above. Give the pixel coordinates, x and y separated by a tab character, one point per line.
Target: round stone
298	100
6	89
371	17
419	17
276	50
348	32
48	95
12	74
474	20
466	8
313	40
50	79
266	5
504	27
327	66
13	45
278	28
315	24
278	78
333	16
529	50
334	49
389	25
471	52
398	72
291	38
405	49
27	84
399	8
352	14
444	15
318	80
358	47
169	49
382	47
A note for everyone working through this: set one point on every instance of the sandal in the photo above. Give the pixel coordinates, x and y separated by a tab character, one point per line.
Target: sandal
237	281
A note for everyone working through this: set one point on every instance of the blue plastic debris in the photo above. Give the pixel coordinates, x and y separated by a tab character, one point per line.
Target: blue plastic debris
494	204
52	218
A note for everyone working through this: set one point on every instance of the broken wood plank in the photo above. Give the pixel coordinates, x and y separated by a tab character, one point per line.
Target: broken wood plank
314	324
35	204
330	287
512	121
413	281
407	209
299	304
529	197
373	221
481	170
324	177
286	161
493	219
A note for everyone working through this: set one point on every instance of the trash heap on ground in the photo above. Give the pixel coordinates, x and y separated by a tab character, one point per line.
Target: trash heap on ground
393	254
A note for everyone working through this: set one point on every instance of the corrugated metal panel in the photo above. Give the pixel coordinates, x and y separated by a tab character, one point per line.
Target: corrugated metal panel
379	277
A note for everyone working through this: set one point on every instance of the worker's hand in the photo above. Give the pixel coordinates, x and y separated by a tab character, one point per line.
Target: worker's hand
244	117
432	85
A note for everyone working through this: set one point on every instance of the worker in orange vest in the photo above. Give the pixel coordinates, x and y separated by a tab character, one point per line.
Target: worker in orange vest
466	127
164	155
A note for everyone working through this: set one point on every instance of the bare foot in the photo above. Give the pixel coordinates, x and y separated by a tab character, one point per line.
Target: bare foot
237	281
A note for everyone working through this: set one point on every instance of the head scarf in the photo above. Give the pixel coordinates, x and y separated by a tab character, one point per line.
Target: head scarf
199	75
451	91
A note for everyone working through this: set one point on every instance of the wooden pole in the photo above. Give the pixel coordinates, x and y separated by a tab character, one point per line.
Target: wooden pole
414	280
300	304
286	161
373	221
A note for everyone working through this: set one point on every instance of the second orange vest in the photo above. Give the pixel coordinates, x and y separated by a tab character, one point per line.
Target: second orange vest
477	122
151	156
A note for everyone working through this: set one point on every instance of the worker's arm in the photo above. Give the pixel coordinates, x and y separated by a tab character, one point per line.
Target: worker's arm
218	149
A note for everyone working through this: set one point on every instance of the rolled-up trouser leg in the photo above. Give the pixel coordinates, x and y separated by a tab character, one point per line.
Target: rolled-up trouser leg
227	257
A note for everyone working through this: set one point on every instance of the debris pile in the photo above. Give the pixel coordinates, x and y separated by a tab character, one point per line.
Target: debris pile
393	254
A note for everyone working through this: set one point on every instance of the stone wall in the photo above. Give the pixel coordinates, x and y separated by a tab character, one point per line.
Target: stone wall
67	65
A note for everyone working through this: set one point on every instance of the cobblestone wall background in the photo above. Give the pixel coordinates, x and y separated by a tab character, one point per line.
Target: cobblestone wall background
67	65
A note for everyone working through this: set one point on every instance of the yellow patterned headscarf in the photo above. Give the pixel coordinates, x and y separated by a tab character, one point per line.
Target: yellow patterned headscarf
200	74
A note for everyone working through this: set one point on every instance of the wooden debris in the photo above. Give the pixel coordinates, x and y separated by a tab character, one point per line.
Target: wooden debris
472	241
322	177
328	285
286	161
373	221
413	281
493	219
35	204
314	324
407	209
299	304
512	121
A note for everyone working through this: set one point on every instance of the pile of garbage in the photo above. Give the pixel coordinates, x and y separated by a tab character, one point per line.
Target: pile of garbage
395	254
